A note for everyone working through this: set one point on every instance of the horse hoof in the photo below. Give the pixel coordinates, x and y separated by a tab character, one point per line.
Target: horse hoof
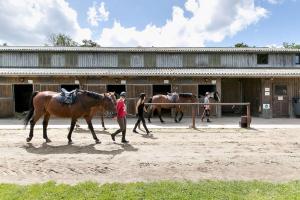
104	128
28	139
70	142
98	141
48	140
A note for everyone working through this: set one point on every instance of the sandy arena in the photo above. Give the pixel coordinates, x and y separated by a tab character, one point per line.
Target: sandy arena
177	154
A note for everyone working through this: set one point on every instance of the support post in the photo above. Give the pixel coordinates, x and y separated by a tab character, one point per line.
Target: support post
193	117
248	116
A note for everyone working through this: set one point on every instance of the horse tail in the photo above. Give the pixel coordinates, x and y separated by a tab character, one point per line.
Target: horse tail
31	109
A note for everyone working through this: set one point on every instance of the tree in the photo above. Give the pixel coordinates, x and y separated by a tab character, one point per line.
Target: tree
291	46
62	40
89	43
240	45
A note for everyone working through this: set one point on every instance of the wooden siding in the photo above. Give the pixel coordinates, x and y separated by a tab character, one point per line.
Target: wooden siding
71	59
6	107
281	60
169	60
96	88
123	60
238	60
16	59
150	60
53	87
58	60
6	101
137	60
44	60
189	60
6	91
128	59
214	60
201	60
97	60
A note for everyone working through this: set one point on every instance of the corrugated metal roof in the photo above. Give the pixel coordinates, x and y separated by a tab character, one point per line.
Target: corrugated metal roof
149	49
152	72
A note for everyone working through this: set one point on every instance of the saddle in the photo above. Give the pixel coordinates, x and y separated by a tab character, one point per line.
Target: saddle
172	97
66	97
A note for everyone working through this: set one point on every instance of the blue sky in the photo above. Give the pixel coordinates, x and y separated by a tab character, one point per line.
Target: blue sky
213	23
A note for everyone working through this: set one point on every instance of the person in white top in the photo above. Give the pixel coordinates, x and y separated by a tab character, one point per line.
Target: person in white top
206	112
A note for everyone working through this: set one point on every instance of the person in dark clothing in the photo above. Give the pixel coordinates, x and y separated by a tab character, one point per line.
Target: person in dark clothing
140	108
121	118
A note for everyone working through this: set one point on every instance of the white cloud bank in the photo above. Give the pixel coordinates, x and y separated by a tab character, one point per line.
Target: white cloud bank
210	21
97	13
29	22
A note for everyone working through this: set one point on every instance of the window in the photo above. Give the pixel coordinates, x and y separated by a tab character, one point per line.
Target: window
297	59
262	59
280	90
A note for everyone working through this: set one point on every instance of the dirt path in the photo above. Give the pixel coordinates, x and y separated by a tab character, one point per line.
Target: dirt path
177	154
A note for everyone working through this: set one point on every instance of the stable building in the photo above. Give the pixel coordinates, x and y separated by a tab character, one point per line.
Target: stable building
268	78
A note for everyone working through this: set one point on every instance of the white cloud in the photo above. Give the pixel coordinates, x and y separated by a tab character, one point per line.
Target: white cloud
95	15
275	1
30	22
210	21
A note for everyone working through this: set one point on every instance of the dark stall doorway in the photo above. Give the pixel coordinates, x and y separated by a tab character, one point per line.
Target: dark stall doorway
202	89
162	89
22	94
116	88
69	87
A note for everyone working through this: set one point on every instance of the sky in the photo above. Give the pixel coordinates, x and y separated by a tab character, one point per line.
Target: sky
147	23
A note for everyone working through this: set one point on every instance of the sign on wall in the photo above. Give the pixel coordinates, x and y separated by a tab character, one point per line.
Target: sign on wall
266	106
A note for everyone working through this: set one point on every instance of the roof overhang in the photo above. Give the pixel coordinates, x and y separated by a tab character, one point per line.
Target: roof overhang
154	72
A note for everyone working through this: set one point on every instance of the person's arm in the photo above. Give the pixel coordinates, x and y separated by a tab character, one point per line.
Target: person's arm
137	106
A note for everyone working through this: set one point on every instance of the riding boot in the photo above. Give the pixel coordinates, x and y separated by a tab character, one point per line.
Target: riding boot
123	138
134	129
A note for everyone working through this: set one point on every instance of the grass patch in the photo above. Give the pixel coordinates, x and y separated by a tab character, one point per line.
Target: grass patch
156	190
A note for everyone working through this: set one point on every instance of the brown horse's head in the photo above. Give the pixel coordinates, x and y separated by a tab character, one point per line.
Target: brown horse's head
109	103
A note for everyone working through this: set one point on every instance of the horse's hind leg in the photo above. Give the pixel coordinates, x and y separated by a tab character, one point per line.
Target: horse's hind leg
150	111
90	125
35	118
102	123
45	124
73	122
159	115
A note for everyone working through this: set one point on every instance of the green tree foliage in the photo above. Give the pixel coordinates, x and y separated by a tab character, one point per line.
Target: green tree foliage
89	43
62	40
291	45
240	45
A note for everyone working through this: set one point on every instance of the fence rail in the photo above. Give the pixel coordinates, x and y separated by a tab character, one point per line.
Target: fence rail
247	104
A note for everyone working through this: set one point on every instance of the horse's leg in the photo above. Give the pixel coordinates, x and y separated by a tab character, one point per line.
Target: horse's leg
45	124
35	118
175	118
150	113
180	118
73	122
159	114
89	122
102	122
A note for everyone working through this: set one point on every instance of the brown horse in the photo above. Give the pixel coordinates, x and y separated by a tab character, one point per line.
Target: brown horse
103	110
174	98
47	103
170	98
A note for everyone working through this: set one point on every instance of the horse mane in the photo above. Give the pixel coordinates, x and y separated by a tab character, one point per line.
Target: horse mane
91	94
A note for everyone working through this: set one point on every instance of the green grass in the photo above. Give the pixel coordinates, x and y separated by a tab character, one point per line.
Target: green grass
157	190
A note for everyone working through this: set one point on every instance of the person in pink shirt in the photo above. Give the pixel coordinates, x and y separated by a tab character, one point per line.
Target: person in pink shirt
121	118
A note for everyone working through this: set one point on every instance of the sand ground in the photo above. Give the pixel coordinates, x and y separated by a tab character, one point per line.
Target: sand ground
177	154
